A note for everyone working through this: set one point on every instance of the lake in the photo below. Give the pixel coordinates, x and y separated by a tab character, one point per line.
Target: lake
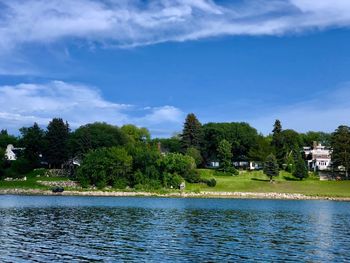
109	229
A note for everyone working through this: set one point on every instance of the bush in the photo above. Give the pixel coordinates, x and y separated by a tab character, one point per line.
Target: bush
195	154
21	166
172	180
192	176
104	167
211	182
177	163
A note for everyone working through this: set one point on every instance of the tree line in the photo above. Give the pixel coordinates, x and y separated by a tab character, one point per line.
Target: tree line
127	156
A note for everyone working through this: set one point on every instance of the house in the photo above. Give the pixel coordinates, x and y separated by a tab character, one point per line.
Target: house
11	152
318	157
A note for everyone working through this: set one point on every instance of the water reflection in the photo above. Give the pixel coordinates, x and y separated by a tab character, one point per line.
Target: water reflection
66	229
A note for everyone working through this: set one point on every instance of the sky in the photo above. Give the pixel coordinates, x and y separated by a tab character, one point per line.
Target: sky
150	63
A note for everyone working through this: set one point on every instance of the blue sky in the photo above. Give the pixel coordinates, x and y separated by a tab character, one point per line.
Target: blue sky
151	63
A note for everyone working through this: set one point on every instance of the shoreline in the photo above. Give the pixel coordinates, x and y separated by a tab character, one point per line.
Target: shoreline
204	194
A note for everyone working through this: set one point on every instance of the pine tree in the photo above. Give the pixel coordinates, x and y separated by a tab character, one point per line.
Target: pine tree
56	137
225	155
340	143
277	141
271	167
300	170
192	133
32	140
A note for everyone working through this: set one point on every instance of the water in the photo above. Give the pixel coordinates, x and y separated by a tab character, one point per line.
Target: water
107	229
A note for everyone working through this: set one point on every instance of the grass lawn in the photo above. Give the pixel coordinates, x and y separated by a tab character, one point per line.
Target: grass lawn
31	182
256	181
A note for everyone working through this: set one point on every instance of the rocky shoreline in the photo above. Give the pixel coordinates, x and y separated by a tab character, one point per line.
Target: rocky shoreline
233	195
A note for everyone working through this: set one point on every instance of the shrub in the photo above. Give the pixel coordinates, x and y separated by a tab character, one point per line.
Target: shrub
172	180
104	166
192	176
177	163
195	154
211	182
21	166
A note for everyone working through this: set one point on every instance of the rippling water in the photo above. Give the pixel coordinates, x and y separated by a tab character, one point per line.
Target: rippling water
104	229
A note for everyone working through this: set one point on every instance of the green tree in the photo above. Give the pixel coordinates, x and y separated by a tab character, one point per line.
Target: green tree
277	141
177	163
300	170
192	133
6	139
171	145
135	134
271	167
340	143
261	149
32	139
56	138
225	155
105	166
195	154
241	135
96	135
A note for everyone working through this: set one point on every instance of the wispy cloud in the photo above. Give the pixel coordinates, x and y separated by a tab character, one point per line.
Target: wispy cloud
325	112
132	23
79	104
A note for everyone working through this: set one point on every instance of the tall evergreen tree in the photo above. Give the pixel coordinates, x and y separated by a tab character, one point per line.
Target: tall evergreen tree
225	155
192	133
33	141
300	170
56	137
271	167
340	143
277	141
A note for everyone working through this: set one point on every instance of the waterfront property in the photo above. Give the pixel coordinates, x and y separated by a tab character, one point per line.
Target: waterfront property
318	157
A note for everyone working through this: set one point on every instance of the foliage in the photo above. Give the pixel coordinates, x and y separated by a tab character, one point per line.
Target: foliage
300	170
56	137
171	145
241	136
6	139
97	135
211	182
105	166
32	139
225	155
340	143
195	154
271	167
135	135
310	137
261	149
192	133
177	163
172	180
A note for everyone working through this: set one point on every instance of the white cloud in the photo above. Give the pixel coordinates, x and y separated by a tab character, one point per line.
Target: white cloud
79	104
132	23
325	112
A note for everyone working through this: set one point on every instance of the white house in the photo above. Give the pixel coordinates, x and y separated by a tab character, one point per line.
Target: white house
318	156
10	153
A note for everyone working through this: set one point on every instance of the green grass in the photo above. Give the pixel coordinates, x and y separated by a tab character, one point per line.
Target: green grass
31	182
256	181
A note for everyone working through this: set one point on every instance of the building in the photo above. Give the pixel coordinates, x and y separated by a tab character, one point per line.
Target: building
11	152
318	157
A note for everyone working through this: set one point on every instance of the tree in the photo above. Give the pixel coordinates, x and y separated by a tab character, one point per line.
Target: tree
241	135
97	135
340	143
195	154
277	141
56	138
135	134
225	155
33	142
300	170
105	166
271	167
6	139
192	133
